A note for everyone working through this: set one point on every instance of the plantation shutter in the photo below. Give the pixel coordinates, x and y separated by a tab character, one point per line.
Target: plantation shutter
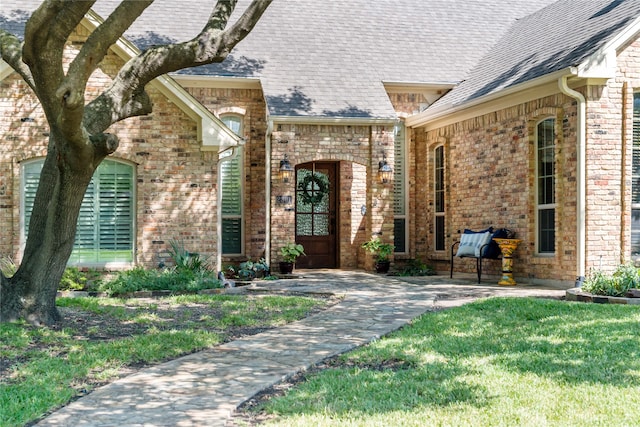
231	181
635	180
31	177
115	198
105	223
399	190
399	193
231	190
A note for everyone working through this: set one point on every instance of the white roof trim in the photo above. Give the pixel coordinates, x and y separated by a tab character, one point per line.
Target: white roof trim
212	132
315	120
449	113
190	80
5	70
603	62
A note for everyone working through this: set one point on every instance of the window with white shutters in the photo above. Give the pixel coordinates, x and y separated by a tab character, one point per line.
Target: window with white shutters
231	167
635	183
105	228
399	190
439	196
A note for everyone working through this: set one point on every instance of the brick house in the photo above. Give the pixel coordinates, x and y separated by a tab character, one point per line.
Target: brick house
527	123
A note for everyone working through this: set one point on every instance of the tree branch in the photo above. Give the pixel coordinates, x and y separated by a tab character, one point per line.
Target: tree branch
11	53
46	34
211	45
36	30
97	44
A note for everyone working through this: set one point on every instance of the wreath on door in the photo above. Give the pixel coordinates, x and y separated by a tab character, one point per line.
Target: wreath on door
313	188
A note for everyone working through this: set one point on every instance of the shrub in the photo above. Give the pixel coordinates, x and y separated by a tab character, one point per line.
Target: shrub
616	284
171	279
7	266
249	269
185	260
415	267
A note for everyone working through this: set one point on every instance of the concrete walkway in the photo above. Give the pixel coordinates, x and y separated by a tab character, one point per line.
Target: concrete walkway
203	389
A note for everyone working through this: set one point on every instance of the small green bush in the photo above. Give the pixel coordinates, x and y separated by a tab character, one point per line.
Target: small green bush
8	267
75	280
415	267
171	279
249	269
616	284
186	260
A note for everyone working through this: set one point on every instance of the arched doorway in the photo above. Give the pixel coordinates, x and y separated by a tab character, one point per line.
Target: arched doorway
316	219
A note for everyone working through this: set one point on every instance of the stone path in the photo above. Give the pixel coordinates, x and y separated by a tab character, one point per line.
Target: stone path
203	389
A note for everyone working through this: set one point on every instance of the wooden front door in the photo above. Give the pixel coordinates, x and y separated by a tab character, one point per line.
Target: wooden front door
316	228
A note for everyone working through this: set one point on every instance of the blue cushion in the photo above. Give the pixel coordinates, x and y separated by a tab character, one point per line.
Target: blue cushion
471	242
493	250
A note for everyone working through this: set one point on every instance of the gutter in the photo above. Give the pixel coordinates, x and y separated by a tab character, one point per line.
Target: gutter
448	109
581	174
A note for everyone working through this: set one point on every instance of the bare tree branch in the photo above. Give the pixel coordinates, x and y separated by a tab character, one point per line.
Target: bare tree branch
211	45
36	31
97	44
46	34
71	92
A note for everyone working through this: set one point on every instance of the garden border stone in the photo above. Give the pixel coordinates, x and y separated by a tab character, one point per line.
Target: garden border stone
577	294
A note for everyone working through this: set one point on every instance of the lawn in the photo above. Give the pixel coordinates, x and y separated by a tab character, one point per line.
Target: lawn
496	362
101	339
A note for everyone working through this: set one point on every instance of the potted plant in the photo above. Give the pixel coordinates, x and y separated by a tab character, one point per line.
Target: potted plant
381	252
290	253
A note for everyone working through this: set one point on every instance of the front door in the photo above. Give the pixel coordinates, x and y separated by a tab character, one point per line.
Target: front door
316	228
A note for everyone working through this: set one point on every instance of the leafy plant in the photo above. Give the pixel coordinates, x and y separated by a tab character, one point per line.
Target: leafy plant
185	260
625	277
171	279
8	267
380	250
291	251
74	280
415	267
249	269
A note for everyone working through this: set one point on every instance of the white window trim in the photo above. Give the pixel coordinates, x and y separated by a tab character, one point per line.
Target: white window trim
405	178
444	184
540	207
225	156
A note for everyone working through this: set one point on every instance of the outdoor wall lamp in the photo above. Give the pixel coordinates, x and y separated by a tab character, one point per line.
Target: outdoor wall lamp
385	173
286	170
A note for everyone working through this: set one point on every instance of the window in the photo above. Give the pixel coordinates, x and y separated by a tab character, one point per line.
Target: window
105	229
231	162
399	190
635	185
439	194
546	182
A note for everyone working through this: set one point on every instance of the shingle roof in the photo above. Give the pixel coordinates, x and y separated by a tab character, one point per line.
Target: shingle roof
559	36
329	58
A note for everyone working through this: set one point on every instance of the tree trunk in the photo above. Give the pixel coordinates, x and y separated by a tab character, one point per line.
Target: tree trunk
31	293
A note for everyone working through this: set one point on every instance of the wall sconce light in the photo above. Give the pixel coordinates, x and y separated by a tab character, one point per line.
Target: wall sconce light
286	170
385	173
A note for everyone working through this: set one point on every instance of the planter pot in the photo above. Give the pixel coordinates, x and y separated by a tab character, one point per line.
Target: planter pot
286	267
382	266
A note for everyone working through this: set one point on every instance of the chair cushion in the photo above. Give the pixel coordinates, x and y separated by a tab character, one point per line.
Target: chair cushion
493	250
472	241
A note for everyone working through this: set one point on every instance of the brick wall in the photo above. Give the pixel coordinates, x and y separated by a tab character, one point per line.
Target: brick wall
357	149
490	165
248	104
175	192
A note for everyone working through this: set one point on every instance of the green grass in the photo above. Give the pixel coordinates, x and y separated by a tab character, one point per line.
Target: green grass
50	366
497	362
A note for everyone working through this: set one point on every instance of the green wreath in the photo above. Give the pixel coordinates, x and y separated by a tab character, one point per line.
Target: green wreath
313	188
